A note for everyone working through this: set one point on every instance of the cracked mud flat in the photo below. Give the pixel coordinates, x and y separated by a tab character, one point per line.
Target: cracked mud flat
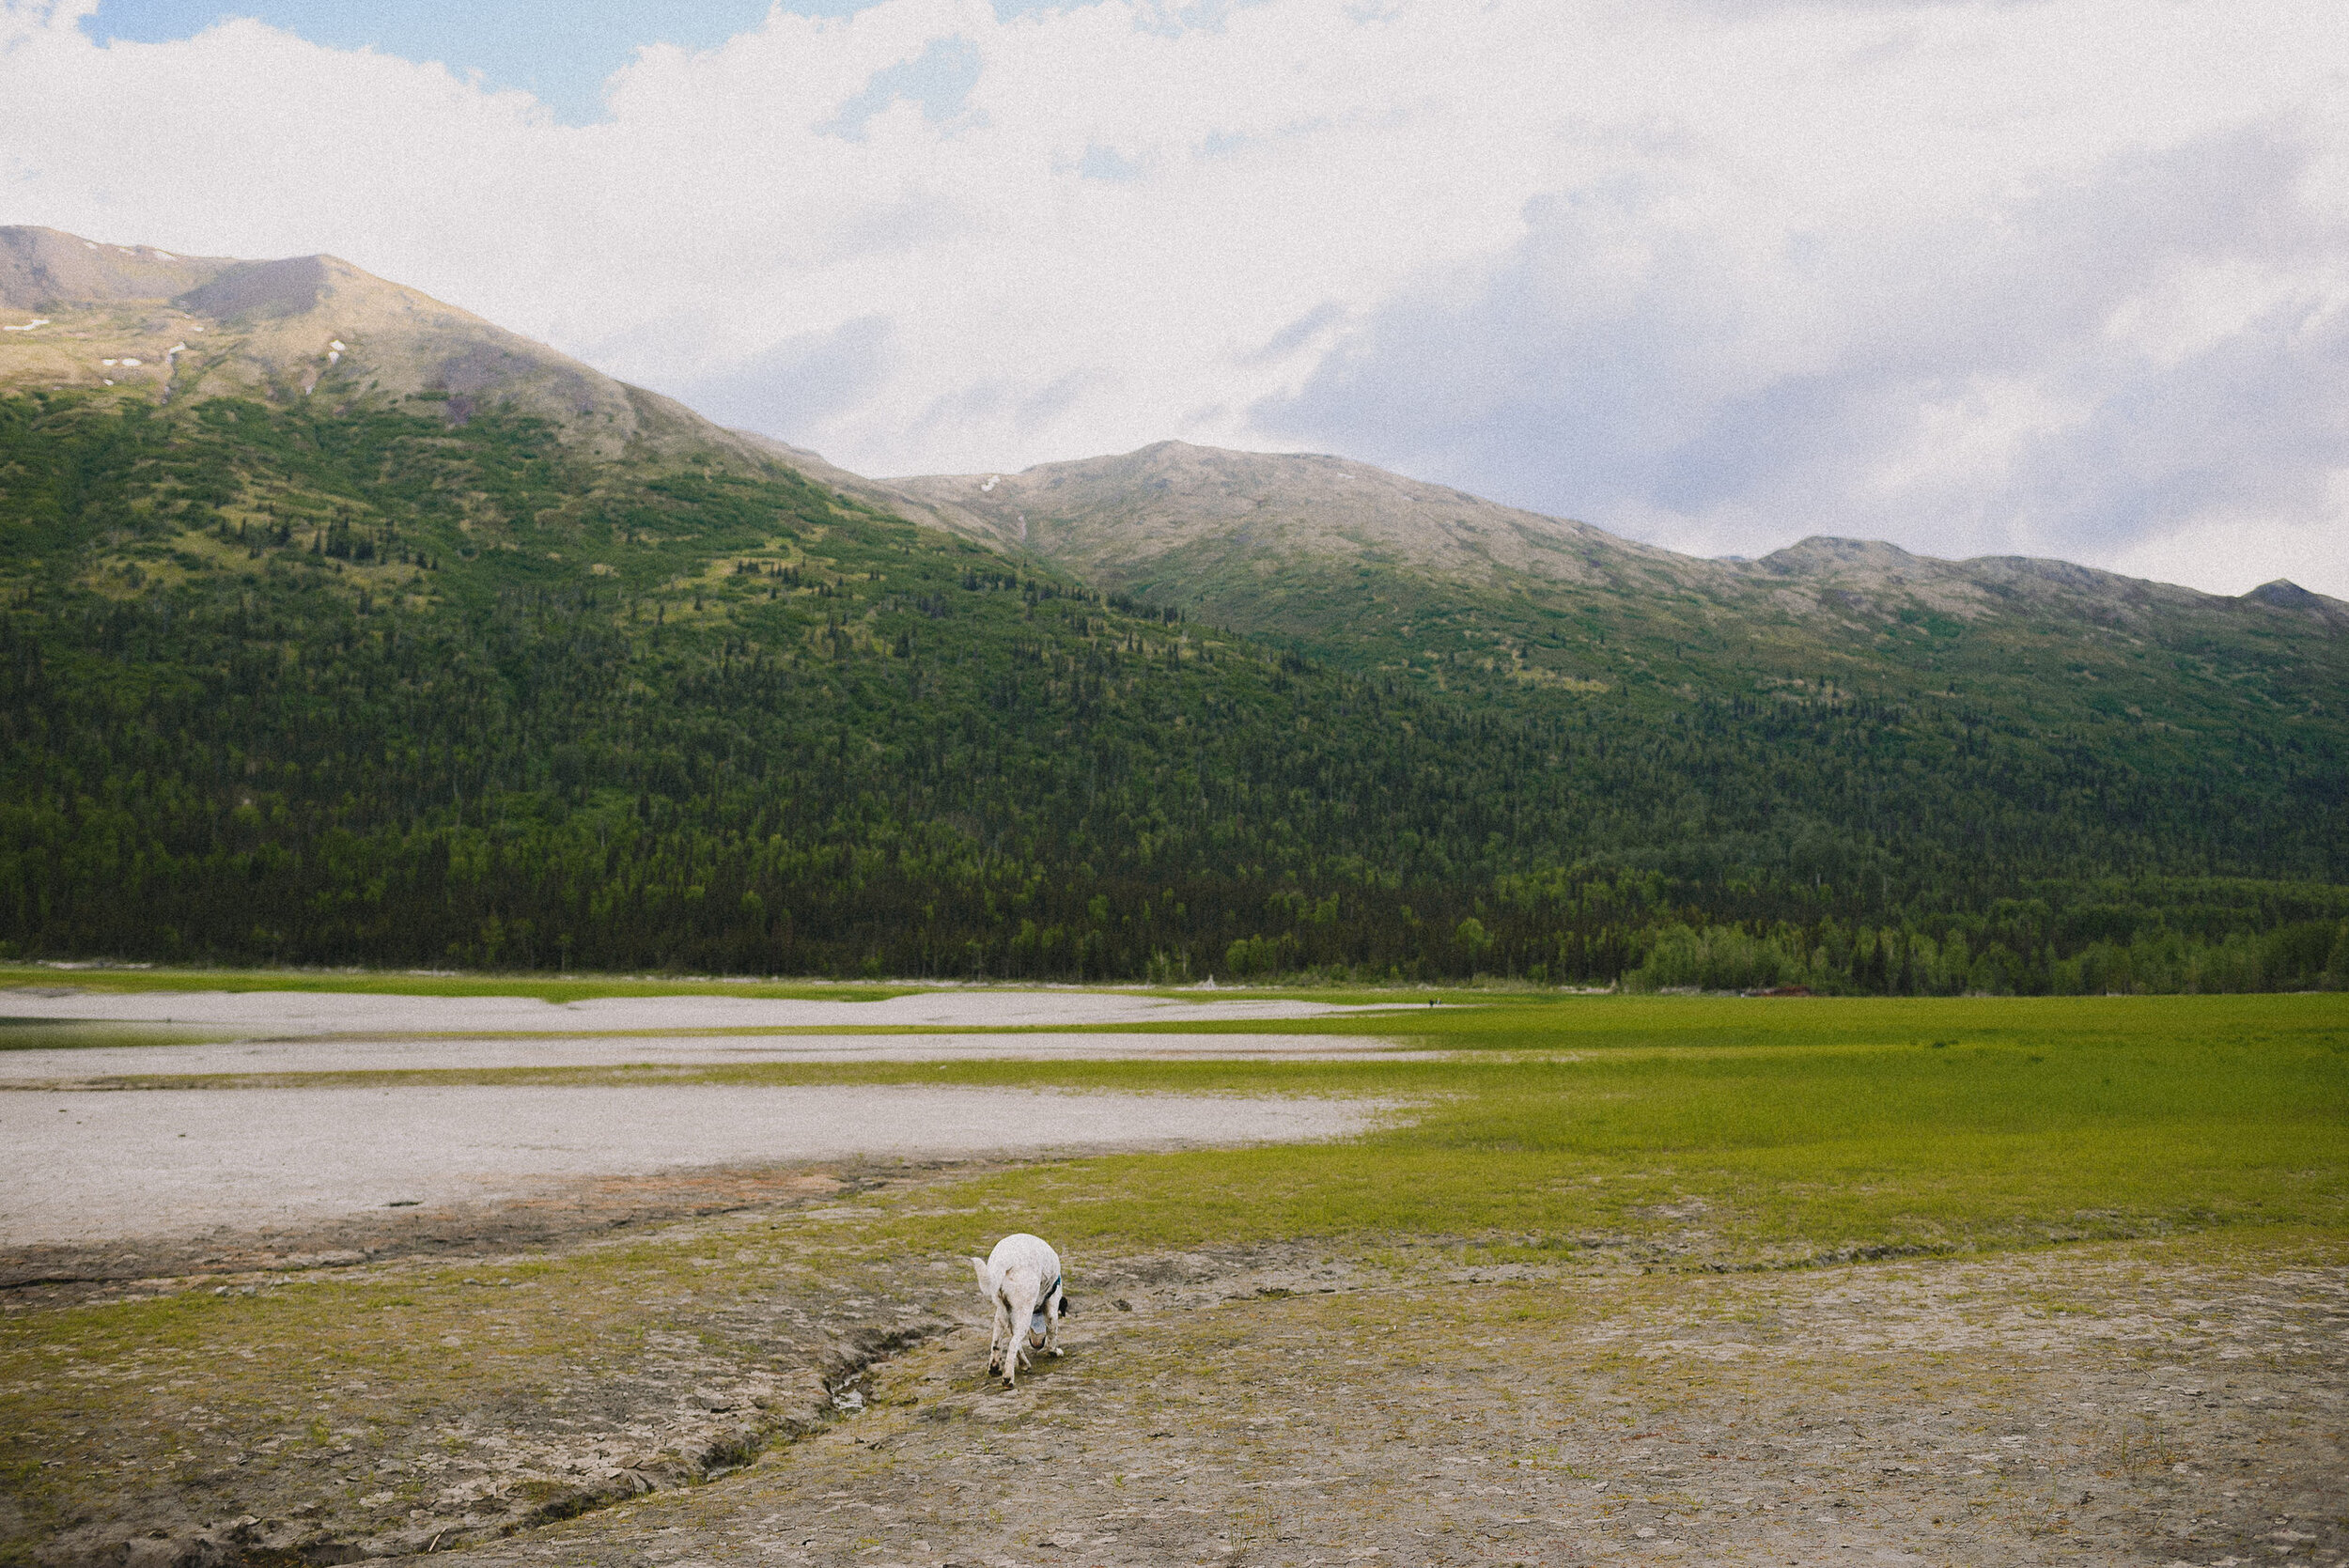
2129	1402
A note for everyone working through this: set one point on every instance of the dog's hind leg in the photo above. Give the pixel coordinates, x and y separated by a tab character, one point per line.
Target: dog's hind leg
992	1289
1019	1300
1016	1356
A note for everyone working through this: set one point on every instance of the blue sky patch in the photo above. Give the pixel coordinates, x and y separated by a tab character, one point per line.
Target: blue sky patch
940	79
562	54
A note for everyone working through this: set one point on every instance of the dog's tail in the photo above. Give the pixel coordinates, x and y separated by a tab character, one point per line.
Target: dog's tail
987	1276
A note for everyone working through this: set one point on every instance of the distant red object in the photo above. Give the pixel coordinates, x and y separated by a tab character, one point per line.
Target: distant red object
1784	991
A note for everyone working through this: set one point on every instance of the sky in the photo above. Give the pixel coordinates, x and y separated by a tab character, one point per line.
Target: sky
2045	278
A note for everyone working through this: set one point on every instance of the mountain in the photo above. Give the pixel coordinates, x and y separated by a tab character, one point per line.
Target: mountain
1173	517
136	323
1382	573
1176	521
438	647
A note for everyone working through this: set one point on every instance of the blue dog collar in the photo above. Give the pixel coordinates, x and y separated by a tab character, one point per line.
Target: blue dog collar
1038	1319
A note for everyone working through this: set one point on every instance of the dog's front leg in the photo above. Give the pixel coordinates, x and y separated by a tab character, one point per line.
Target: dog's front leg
1052	1311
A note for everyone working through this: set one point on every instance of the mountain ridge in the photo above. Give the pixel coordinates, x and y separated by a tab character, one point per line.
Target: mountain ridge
1387	575
1326	556
1024	509
134	321
297	326
353	633
1351	508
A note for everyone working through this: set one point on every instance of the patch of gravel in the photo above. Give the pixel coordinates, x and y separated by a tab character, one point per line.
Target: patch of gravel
84	1167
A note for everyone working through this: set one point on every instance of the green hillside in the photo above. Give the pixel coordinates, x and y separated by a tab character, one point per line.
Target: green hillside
1377	572
2175	677
365	685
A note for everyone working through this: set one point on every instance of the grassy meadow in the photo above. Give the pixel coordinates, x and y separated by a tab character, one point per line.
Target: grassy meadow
1722	1132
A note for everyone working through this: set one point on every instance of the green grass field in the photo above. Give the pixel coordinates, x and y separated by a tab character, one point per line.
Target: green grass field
1797	1129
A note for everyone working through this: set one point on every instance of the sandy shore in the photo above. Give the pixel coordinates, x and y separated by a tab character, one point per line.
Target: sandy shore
78	1167
299	1013
82	1167
82	1064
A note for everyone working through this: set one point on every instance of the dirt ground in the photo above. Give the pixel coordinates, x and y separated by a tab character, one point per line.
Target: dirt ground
2123	1402
47	1276
2177	1401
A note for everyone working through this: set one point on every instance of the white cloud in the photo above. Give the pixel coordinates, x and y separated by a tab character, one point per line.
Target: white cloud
2060	277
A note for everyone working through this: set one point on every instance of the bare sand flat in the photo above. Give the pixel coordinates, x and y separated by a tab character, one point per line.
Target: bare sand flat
344	1054
299	1013
81	1166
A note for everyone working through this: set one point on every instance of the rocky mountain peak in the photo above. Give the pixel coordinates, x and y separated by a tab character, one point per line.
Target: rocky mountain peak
138	322
1825	552
2284	594
47	268
1173	508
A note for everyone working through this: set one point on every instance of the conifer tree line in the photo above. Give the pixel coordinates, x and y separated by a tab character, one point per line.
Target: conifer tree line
360	687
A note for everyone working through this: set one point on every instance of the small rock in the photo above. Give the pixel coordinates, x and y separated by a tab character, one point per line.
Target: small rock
710	1400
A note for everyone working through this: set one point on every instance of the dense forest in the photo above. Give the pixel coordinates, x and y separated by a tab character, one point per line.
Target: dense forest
364	686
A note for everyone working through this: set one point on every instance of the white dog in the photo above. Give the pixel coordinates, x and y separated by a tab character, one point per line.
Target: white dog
1021	1281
